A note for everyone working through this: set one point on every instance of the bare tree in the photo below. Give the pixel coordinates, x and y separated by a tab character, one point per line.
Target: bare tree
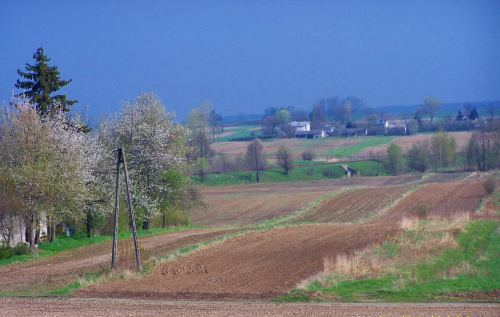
255	158
284	158
431	104
443	150
483	149
467	107
491	109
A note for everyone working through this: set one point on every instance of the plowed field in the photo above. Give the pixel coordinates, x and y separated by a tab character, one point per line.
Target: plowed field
244	205
64	269
353	205
91	308
442	200
257	265
263	265
461	139
444	178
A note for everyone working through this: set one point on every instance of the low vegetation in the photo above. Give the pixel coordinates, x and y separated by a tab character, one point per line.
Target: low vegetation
429	260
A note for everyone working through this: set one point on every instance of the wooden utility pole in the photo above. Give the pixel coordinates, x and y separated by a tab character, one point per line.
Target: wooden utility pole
121	160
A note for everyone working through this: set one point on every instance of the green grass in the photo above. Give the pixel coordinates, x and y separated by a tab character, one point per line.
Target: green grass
299	173
367	142
241	132
478	250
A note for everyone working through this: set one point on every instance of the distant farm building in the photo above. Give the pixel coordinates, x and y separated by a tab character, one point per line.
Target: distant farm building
301	125
312	134
384	127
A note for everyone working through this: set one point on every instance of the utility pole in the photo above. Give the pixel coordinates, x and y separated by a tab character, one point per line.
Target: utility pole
121	160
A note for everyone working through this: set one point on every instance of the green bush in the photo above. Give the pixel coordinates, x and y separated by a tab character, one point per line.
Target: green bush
489	185
328	172
6	252
22	248
308	155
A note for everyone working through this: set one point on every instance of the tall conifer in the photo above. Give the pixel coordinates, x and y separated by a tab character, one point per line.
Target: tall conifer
42	81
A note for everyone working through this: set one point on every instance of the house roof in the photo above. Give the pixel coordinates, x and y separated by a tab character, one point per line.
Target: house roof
299	123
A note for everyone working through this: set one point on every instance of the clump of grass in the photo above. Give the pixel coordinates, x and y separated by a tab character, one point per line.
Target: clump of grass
489	185
126	258
422	211
362	264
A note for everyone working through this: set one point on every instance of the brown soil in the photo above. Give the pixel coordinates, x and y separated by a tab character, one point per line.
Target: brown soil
444	178
91	308
263	265
353	205
444	200
461	139
257	265
64	269
249	204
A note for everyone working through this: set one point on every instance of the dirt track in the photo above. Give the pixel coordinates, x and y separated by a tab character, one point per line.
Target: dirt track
64	269
50	308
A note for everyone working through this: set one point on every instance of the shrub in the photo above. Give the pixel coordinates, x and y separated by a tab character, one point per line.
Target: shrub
22	248
489	185
308	155
422	211
327	172
6	252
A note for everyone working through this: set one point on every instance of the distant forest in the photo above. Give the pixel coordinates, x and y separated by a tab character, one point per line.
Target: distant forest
452	107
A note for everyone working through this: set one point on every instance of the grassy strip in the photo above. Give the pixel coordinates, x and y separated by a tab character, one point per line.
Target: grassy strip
241	128
367	143
240	133
301	173
471	266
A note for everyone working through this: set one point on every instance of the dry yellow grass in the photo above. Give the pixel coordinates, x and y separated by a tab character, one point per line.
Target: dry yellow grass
436	235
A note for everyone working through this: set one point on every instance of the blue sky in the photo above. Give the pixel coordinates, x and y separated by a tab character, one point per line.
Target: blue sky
244	56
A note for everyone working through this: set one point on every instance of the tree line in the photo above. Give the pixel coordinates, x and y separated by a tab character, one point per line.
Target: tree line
481	153
54	168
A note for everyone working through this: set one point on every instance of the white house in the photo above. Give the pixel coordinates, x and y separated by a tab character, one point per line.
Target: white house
301	125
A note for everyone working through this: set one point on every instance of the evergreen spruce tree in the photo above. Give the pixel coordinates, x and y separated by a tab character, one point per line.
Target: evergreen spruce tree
42	81
473	114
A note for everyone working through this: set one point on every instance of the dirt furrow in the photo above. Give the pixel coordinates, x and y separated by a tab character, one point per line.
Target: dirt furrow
64	269
257	265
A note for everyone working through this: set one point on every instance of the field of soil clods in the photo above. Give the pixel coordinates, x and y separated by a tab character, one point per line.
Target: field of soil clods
353	205
257	265
63	270
250	204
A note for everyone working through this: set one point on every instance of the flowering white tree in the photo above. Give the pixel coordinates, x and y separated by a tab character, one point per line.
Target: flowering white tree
153	143
50	162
